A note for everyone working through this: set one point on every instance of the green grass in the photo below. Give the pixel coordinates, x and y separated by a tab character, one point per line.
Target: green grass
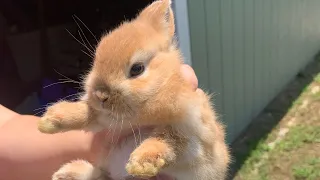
298	136
309	169
299	100
257	150
317	78
296	103
290	157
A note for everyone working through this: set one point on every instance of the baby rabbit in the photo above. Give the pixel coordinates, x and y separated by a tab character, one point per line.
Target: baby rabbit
135	82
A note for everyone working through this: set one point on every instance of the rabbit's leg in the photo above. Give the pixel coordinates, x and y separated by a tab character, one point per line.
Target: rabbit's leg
79	170
155	153
64	116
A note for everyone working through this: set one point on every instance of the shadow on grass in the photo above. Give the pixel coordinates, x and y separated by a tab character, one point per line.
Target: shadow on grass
258	130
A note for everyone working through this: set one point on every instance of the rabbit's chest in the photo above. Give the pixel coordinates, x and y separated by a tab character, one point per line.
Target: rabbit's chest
118	158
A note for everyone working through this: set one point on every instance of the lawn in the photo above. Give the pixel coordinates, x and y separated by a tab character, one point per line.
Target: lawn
284	142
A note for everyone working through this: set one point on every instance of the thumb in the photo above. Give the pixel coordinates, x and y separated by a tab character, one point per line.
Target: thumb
189	74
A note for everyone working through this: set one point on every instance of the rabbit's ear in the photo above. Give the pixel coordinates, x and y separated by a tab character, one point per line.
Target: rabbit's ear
159	14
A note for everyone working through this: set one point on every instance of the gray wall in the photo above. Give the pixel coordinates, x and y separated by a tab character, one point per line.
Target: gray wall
246	51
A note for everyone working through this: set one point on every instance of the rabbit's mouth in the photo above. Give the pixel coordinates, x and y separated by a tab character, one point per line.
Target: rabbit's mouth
116	105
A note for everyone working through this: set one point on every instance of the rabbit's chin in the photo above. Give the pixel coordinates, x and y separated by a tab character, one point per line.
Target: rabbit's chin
114	115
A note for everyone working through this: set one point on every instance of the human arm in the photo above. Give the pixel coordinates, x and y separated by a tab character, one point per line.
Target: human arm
25	152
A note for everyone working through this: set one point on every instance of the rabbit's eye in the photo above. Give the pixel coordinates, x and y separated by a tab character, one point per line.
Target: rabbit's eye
136	69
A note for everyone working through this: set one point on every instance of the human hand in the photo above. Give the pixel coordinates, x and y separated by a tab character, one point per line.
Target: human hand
190	75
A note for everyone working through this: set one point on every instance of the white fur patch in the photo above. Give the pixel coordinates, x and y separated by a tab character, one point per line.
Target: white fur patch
84	97
119	156
85	172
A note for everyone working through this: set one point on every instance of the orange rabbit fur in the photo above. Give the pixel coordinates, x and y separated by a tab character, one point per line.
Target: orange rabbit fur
135	81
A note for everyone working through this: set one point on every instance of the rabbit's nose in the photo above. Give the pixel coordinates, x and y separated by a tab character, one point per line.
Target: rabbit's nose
101	96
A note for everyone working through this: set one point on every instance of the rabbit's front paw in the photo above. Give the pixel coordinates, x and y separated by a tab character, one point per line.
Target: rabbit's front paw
149	159
65	176
64	116
50	122
78	170
145	165
59	117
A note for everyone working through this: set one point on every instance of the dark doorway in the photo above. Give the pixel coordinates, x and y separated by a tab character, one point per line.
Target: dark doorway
37	48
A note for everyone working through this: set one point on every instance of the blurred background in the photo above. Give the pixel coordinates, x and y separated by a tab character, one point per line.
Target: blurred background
36	44
258	57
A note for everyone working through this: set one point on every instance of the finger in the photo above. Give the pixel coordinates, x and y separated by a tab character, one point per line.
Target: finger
189	74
